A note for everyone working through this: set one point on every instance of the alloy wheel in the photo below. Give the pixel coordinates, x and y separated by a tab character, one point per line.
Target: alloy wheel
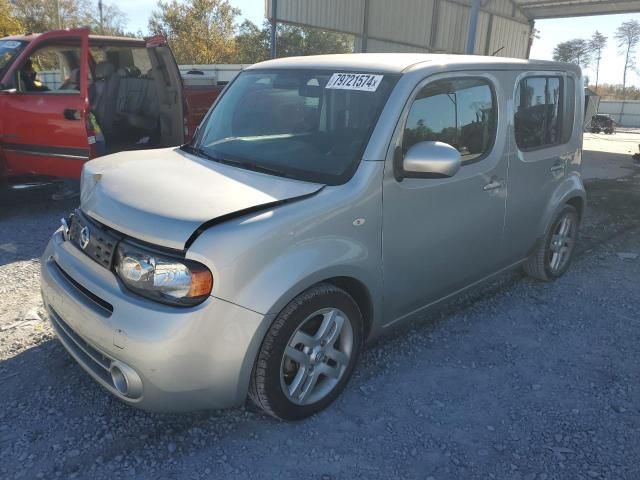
317	356
562	243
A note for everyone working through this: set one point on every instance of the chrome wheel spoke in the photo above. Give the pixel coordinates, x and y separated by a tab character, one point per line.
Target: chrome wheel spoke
298	383
332	372
337	356
565	226
330	328
313	364
307	386
297	356
562	243
301	338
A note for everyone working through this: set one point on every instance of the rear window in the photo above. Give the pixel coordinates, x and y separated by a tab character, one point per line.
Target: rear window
543	112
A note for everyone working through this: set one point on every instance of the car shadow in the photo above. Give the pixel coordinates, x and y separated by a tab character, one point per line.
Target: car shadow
46	384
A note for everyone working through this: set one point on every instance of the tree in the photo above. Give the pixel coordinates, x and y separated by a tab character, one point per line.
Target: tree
113	21
43	15
9	24
252	43
597	43
628	37
573	51
199	31
294	41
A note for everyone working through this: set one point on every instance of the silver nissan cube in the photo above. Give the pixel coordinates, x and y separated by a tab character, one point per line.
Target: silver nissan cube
322	202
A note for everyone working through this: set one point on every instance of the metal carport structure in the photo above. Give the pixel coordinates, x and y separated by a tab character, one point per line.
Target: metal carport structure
483	27
539	9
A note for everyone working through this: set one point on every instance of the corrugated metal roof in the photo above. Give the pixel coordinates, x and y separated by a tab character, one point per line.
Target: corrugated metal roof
504	26
339	15
535	9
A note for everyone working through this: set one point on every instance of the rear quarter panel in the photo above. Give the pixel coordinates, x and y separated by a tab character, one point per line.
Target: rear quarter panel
535	193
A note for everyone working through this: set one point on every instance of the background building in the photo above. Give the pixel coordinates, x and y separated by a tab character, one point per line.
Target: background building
483	27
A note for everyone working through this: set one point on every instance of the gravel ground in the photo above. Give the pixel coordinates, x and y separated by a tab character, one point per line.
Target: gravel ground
517	380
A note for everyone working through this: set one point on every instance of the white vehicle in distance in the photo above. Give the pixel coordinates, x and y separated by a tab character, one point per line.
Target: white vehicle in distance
323	201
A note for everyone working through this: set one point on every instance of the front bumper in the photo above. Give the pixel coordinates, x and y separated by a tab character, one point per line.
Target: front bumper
185	358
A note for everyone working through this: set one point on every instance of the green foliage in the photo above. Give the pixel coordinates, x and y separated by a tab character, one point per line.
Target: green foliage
252	43
198	31
628	37
573	51
9	23
597	43
42	15
296	41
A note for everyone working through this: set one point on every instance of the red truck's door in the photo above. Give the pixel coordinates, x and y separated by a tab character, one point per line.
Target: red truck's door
43	120
173	109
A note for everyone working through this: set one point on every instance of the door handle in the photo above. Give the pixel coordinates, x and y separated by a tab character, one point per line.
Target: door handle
71	114
557	167
494	185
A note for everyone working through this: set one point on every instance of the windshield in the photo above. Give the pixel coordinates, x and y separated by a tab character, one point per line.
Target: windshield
310	125
9	50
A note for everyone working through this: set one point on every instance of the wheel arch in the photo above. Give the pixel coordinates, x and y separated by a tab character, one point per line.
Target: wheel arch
360	294
571	192
578	203
352	284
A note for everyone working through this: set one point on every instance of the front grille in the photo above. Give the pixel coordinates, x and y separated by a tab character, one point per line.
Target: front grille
86	292
95	240
93	359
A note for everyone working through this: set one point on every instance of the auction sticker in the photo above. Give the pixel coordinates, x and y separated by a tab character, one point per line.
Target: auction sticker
354	81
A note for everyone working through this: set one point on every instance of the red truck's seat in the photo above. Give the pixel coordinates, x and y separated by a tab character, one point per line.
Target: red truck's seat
137	103
105	97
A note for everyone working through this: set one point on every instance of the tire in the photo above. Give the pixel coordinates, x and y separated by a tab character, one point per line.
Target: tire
304	363
542	264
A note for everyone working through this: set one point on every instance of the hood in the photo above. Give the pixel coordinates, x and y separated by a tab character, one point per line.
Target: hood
163	196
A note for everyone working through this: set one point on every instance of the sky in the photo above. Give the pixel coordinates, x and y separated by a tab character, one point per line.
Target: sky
551	33
555	31
138	11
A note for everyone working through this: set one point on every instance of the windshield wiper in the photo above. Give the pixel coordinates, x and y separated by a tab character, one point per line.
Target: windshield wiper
198	152
252	166
247	165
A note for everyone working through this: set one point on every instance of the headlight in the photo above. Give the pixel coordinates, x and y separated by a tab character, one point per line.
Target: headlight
161	277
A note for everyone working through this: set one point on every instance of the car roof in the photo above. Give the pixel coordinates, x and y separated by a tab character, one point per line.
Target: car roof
402	62
93	39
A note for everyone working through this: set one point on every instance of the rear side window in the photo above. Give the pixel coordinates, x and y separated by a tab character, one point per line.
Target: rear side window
538	112
130	61
461	112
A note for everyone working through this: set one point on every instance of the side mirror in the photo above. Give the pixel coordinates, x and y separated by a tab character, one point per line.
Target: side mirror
429	160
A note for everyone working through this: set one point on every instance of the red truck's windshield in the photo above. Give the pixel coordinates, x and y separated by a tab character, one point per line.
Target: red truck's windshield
9	50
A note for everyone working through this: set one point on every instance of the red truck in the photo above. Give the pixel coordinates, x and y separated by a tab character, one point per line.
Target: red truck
67	97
